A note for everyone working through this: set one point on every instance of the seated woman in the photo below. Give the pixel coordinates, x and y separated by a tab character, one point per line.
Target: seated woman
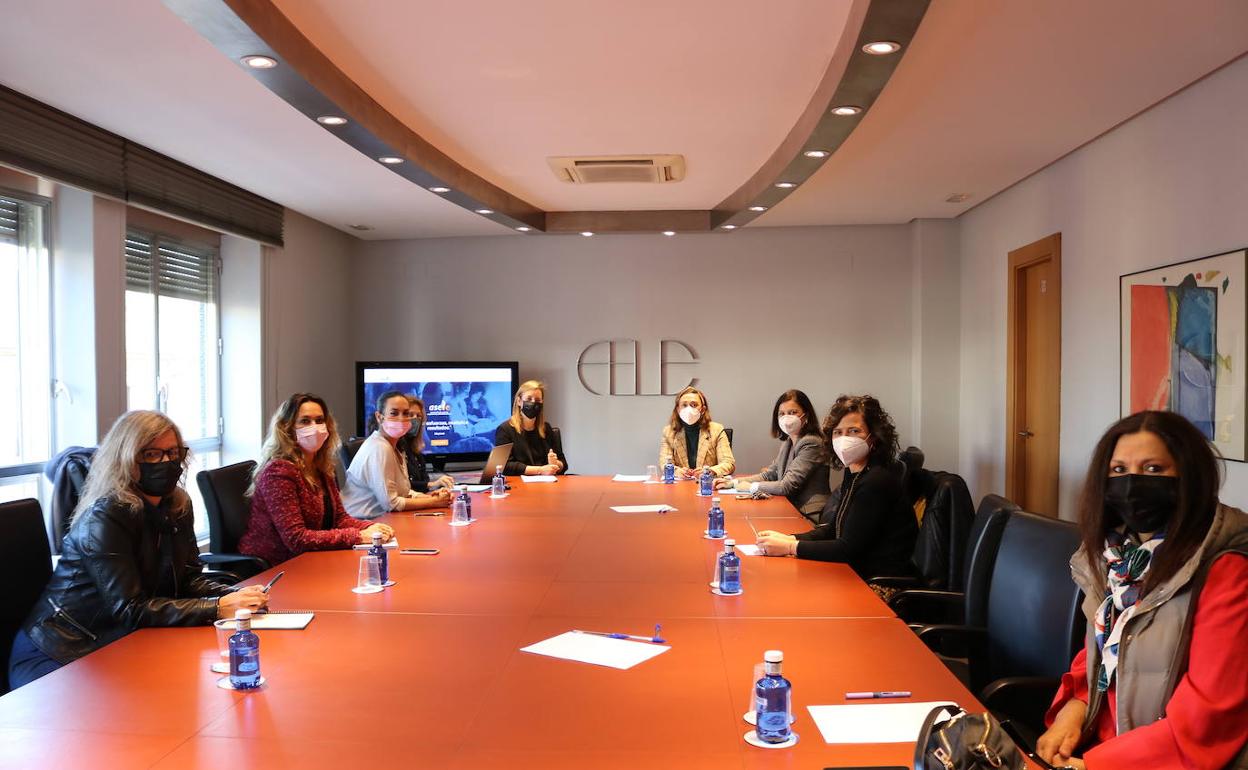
692	441
536	446
800	470
377	480
872	529
129	559
295	504
413	446
1161	680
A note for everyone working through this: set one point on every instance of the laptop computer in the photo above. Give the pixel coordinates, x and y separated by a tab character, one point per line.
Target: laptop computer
499	455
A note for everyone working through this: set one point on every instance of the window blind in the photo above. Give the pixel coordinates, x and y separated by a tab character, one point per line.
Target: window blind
156	265
8	220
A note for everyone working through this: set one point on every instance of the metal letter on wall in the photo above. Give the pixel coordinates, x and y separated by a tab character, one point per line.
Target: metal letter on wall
619	373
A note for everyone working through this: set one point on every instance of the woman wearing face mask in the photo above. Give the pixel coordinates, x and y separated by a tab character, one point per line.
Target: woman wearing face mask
800	470
413	445
692	441
295	503
377	480
536	446
871	528
1161	681
129	559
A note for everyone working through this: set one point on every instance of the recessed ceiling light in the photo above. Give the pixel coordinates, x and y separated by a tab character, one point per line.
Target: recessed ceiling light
260	62
846	109
586	233
523	229
758	208
728	227
485	212
390	160
439	190
957	197
361	228
882	48
816	153
785	185
331	120
669	233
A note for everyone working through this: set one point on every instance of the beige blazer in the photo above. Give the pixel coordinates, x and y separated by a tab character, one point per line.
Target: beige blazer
713	450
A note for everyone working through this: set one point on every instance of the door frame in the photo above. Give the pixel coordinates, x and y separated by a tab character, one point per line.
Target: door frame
1045	249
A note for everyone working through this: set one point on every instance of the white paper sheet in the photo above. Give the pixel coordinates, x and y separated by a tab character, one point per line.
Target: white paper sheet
626	477
281	620
477	487
539	479
873	723
598	650
393	543
748	549
642	508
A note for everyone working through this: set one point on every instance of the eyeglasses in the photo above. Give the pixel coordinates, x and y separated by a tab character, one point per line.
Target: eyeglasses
176	454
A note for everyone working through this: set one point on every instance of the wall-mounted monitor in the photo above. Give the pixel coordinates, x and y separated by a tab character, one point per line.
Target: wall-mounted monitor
465	401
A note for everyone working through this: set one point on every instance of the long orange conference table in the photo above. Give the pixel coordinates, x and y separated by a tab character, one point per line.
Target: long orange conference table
429	673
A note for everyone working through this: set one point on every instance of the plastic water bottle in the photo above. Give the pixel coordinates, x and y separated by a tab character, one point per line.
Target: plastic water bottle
467	498
244	653
669	473
729	569
715	520
383	559
706	485
773	701
499	488
459	511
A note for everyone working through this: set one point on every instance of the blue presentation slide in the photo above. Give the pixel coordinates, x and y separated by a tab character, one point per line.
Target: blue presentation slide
463	407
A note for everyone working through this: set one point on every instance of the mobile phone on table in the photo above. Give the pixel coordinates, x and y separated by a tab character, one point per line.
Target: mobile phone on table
419	551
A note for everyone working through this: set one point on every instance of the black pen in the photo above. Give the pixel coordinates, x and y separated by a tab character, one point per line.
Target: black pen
272	582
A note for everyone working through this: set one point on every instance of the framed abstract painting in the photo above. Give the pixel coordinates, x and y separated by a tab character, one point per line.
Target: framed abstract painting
1183	345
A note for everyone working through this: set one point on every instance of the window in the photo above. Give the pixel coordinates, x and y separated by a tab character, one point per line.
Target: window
25	348
173	348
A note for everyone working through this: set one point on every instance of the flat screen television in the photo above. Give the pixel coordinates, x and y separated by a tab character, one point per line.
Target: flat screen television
465	401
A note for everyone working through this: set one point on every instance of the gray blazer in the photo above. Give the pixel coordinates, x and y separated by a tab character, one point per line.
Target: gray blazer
800	473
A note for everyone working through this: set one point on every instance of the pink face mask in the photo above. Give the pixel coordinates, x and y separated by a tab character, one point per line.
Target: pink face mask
311	437
395	428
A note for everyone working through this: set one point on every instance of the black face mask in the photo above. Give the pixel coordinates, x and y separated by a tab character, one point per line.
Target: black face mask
159	479
530	409
1143	503
417	426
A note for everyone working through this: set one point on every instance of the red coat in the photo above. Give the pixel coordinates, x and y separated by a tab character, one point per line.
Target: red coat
287	513
1206	720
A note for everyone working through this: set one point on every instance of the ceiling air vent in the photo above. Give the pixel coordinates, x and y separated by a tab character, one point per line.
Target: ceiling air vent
619	168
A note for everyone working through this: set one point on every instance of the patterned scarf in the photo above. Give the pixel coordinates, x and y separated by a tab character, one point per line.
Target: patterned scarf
1128	562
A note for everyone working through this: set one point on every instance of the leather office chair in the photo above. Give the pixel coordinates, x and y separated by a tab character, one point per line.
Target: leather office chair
348	450
968	605
25	566
728	433
68	474
911	459
1034	623
225	499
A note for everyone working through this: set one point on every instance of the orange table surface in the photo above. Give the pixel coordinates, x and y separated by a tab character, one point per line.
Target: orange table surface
430	671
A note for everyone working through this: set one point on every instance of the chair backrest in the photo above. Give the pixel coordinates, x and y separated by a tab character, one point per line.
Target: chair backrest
1035	624
982	546
348	450
25	566
940	548
728	433
911	459
68	474
225	501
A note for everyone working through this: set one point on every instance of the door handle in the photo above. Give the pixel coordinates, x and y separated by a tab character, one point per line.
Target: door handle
1025	434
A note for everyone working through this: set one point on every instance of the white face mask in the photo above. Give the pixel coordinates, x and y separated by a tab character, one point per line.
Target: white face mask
690	414
790	423
850	449
312	437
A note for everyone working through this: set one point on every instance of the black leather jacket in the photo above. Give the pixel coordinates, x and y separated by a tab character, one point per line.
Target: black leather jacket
121	570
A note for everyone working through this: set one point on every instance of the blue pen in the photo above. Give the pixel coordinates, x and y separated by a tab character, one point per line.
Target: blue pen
656	639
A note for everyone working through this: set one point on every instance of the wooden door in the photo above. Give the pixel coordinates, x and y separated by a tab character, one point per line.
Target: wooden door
1034	376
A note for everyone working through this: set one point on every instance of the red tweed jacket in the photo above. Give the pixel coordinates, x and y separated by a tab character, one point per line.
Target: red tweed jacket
286	516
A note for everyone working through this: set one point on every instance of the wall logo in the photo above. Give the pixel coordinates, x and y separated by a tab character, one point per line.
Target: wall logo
614	368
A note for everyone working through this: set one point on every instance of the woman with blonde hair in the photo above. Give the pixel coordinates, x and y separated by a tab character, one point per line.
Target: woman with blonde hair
536	446
295	503
129	560
377	481
691	440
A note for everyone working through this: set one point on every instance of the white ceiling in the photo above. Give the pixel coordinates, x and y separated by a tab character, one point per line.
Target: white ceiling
987	94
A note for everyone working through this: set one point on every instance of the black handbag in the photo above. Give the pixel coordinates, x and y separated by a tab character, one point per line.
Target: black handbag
964	741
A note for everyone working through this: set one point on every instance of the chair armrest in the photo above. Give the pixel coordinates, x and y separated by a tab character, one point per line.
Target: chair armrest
1023	700
955	641
245	566
896	581
924	605
223	576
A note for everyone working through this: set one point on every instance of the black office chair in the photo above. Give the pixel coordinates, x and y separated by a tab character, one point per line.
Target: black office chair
68	474
728	433
225	499
916	484
25	566
1035	624
348	450
940	548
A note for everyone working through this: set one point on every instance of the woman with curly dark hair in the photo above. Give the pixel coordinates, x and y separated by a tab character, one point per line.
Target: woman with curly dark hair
869	526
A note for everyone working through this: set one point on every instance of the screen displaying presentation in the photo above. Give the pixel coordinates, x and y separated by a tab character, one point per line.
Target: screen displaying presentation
464	402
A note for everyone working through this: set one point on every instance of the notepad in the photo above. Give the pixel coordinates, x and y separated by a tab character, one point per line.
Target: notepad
622	654
279	620
748	549
476	487
642	508
539	479
626	477
873	723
